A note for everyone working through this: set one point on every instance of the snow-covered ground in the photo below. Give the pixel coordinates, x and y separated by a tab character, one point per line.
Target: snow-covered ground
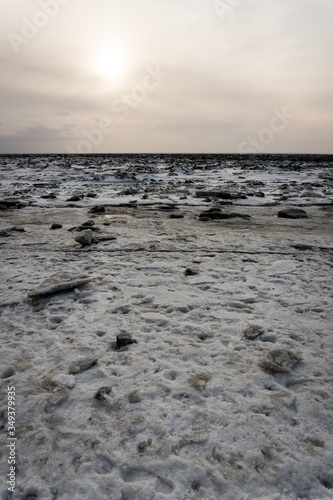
200	405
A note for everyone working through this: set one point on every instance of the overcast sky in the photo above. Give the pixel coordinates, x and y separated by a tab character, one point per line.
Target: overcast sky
213	76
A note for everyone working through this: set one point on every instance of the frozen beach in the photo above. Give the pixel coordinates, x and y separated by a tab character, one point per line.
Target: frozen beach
215	273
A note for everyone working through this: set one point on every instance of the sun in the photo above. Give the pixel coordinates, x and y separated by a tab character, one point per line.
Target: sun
111	64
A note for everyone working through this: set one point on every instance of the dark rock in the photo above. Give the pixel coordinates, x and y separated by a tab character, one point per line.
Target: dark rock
76	197
91	195
48	196
191	271
293	213
176	216
102	392
56	226
85	238
4	234
216	214
8	372
224	195
124	339
167	207
17	229
98	209
88	223
10	203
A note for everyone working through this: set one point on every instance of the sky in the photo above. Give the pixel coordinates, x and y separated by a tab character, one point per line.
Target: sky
166	76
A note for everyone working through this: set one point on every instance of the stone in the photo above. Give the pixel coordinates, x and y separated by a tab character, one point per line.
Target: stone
76	197
4	234
8	372
200	380
124	339
98	209
191	271
83	364
293	213
176	216
58	283
49	196
56	226
7	203
253	332
88	223
280	361
85	238
17	229
216	213
134	397
224	195
102	393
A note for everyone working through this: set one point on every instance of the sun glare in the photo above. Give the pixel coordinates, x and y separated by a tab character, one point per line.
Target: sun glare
110	65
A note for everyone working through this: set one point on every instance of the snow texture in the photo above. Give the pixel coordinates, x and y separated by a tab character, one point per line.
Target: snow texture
225	390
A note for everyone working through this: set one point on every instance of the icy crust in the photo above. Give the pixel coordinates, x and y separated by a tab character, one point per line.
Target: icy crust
227	391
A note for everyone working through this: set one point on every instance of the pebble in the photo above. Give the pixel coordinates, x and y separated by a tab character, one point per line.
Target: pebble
191	271
124	339
56	226
102	392
85	238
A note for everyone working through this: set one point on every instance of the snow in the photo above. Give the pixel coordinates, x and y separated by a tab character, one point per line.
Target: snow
194	409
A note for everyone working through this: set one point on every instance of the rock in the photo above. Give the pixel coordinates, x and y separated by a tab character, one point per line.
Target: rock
76	197
200	380
216	213
8	372
102	392
134	397
191	271
98	209
17	229
59	283
85	238
4	234
176	216
124	339
280	361
293	213
88	223
91	195
56	226
224	195
253	331
49	196
7	203
82	364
